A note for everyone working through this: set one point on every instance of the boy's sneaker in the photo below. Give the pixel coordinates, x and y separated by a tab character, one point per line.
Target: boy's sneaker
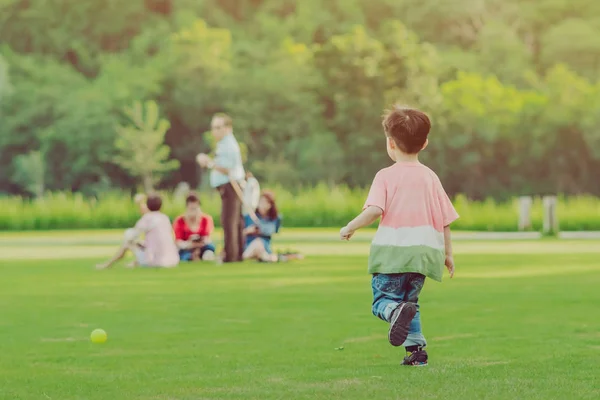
400	322
417	358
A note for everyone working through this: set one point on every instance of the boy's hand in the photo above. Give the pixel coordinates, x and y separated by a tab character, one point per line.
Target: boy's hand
346	233
450	265
203	160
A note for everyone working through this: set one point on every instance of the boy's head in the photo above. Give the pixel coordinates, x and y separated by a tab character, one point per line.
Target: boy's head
154	202
221	125
406	129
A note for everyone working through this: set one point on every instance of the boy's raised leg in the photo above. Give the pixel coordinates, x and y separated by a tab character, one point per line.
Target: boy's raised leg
389	292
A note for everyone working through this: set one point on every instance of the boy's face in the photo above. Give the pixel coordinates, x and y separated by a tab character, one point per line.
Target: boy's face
219	130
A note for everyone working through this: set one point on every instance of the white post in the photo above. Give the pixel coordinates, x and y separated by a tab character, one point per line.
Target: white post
550	217
525	203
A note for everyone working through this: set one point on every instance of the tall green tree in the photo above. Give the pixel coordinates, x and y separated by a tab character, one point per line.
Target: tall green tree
140	144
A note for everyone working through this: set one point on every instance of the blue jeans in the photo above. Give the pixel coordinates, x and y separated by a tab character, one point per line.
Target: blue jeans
186	255
391	289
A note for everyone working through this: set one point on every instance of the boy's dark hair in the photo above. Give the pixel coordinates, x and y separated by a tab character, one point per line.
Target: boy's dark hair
408	127
154	202
227	121
192	198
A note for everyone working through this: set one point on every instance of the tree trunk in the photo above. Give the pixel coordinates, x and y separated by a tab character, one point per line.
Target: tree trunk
148	183
39	190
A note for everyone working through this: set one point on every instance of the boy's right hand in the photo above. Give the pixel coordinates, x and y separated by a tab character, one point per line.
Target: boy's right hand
346	233
450	265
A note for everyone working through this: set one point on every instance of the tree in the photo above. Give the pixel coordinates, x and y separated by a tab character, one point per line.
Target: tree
141	147
569	130
364	75
5	87
487	124
200	61
306	83
30	172
273	103
575	41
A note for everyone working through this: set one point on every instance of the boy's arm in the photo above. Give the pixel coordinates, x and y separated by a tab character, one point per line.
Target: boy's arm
141	226
206	162
365	218
449	262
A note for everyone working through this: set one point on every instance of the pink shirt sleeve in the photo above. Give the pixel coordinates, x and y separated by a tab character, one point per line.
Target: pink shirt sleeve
377	194
448	211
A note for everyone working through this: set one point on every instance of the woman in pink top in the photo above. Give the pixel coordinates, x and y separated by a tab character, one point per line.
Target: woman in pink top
158	249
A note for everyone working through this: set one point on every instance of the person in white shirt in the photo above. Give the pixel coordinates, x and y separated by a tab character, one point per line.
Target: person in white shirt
251	194
227	169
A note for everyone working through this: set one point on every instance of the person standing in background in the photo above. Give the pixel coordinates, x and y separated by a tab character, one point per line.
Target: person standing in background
227	169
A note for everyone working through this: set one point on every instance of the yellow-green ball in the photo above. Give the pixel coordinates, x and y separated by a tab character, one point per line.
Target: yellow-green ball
98	336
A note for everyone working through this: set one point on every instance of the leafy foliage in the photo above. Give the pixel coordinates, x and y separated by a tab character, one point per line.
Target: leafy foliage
141	148
30	172
511	86
319	206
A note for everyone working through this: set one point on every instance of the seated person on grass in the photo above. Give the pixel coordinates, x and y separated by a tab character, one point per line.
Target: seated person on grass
258	233
158	248
140	200
192	232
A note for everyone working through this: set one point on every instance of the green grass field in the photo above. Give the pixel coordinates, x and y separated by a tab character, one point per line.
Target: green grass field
520	320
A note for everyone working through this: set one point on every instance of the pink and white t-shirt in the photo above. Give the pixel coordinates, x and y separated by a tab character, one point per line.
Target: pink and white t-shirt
160	249
416	208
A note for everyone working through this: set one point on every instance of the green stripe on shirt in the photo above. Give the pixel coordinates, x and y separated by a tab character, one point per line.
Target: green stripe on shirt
396	259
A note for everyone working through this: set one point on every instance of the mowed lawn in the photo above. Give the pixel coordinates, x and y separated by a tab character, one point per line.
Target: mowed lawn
521	320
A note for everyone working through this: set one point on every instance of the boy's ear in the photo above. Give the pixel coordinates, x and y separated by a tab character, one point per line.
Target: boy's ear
425	144
391	142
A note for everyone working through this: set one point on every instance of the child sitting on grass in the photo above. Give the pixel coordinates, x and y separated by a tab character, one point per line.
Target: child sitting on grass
413	239
258	233
158	249
193	232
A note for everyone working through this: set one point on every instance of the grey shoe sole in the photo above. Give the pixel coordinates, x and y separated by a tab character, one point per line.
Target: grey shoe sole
401	319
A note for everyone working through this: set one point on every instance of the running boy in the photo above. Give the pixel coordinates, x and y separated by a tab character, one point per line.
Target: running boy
413	239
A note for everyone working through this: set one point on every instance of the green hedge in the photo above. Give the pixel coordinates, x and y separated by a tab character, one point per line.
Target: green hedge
315	207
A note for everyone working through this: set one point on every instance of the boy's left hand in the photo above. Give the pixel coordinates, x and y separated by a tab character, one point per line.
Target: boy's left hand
346	233
450	265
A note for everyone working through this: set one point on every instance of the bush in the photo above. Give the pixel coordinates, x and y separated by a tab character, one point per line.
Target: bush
318	206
